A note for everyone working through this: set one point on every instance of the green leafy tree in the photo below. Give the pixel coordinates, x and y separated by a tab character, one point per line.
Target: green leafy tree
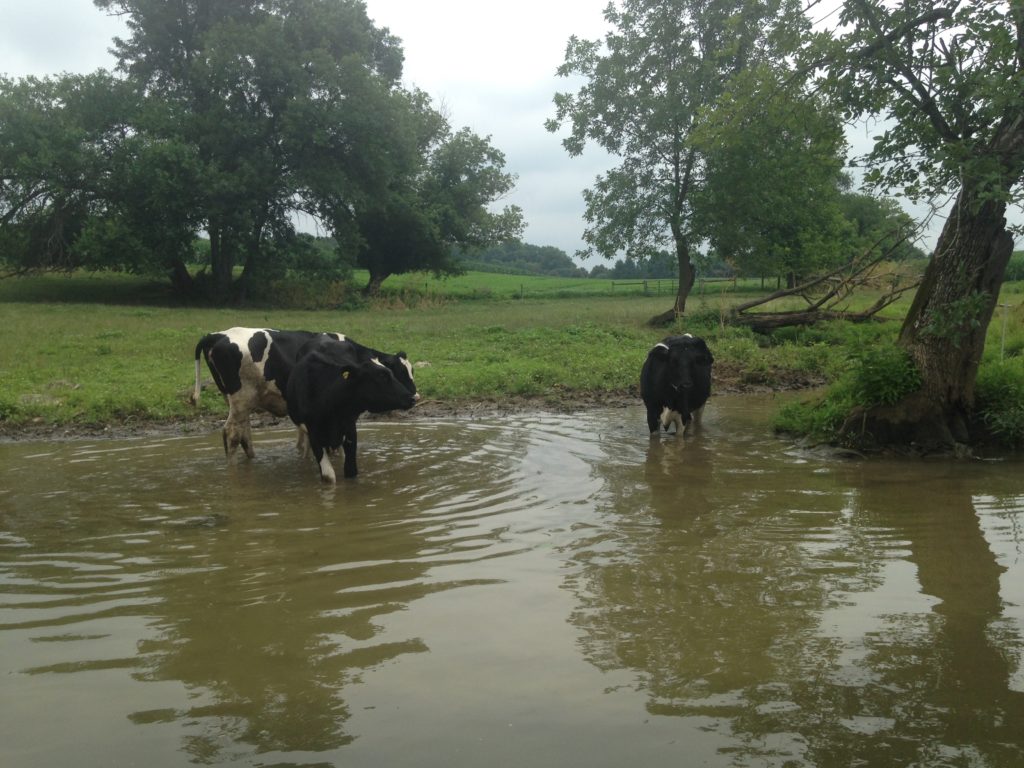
646	90
56	137
287	107
950	77
770	202
879	222
234	119
439	205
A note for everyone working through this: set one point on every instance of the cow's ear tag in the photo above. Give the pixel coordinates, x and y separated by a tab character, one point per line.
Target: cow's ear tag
345	374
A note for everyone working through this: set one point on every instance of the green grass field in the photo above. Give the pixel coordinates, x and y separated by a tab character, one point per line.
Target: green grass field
99	349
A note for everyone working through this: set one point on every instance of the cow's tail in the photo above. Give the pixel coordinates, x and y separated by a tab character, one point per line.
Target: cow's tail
202	348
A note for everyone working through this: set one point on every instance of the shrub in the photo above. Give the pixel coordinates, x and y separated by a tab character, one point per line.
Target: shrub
999	400
818	417
883	374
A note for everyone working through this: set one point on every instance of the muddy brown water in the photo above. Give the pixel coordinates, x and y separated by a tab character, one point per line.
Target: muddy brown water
531	590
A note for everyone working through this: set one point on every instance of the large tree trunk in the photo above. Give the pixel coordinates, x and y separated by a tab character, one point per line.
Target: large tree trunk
221	262
687	277
944	331
181	278
376	280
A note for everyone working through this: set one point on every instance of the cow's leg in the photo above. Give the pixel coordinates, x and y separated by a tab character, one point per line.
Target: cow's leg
697	415
237	432
670	417
348	443
693	419
302	441
232	437
245	438
324	464
653	419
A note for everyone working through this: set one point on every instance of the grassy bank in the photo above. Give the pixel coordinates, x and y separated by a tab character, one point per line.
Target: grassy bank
104	350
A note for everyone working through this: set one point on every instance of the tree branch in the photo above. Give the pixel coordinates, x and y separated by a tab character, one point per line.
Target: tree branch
918	93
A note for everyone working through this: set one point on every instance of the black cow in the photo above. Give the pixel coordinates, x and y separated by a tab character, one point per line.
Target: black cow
675	382
331	385
251	366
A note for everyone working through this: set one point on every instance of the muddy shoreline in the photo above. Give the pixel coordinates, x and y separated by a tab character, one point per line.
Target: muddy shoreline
556	401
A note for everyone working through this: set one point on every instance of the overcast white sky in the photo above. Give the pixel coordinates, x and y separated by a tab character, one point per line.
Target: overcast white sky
491	65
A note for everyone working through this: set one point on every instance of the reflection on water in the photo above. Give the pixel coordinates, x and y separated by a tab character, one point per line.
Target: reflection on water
535	590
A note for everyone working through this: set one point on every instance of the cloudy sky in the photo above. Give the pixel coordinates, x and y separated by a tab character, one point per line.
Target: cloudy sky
491	65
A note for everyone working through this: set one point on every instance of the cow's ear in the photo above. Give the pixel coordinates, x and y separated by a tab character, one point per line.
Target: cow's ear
347	371
402	355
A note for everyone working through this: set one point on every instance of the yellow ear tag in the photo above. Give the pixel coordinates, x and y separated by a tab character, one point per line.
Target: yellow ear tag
344	374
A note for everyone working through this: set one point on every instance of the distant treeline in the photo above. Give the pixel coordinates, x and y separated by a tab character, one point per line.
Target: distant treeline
526	259
514	258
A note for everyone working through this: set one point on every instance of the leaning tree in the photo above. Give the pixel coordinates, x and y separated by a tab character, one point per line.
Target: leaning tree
949	78
646	89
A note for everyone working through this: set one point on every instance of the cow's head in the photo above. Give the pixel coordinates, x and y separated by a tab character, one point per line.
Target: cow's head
374	387
400	366
686	361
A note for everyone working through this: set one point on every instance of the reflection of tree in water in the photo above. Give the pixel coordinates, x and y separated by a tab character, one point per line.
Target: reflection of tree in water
272	619
939	682
711	578
266	636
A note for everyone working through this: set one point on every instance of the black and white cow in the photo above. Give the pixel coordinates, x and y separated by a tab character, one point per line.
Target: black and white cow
331	385
251	366
675	382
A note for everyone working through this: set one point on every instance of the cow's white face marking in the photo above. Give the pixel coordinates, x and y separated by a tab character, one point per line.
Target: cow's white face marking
408	367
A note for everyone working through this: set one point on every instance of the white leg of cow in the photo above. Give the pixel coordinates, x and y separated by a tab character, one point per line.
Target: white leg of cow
326	470
668	417
695	418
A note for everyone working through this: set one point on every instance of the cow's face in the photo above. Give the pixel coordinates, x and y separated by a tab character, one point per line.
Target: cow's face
687	362
377	389
400	366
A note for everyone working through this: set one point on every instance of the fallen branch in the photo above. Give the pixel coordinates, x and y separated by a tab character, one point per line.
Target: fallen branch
840	284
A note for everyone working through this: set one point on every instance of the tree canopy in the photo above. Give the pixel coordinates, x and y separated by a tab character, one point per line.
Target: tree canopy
648	90
240	119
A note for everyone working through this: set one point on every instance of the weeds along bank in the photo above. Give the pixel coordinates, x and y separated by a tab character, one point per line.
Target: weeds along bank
86	362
